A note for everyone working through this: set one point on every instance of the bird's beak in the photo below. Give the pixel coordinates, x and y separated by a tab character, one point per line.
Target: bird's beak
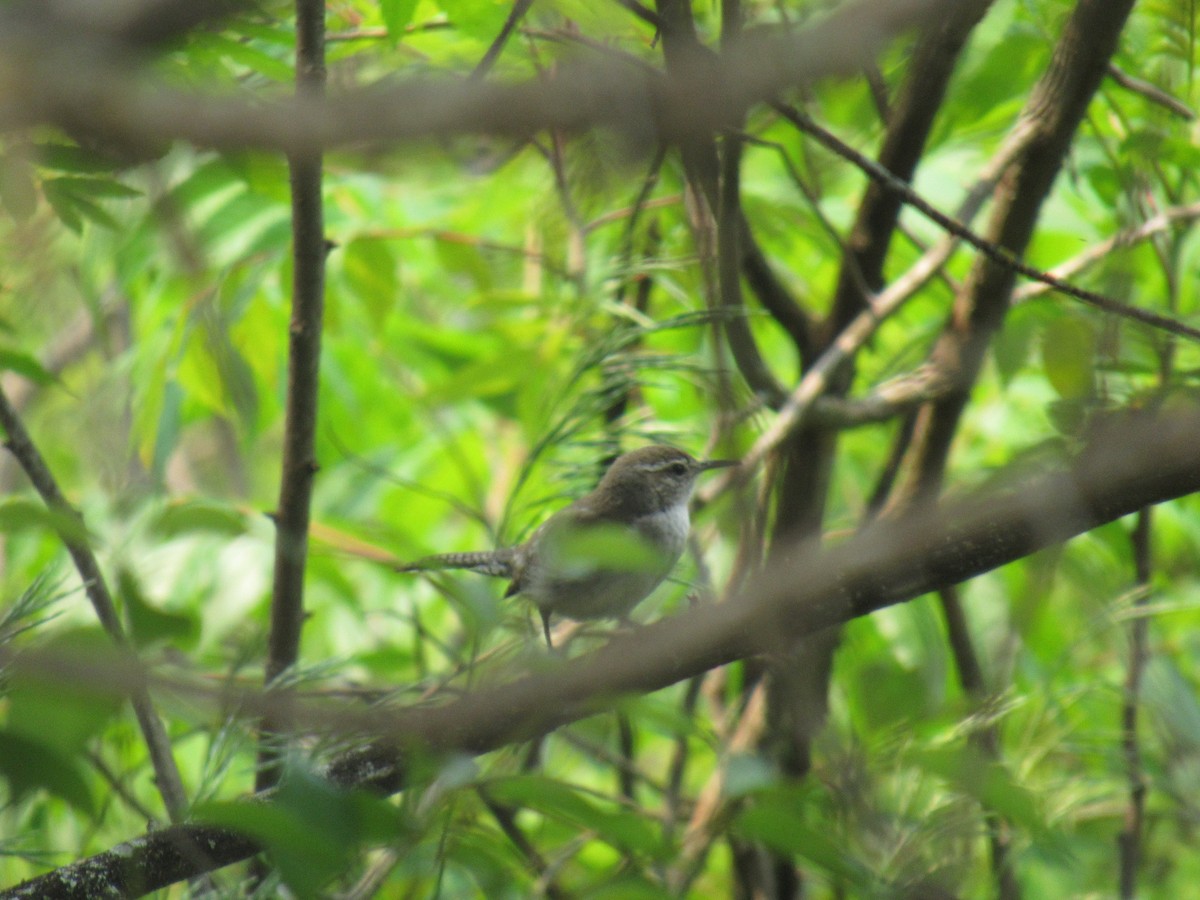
707	464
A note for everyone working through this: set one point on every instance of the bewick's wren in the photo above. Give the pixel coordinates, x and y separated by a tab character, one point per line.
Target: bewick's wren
606	552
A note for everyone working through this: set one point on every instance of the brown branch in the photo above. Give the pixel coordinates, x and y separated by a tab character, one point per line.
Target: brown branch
615	411
118	787
1129	462
813	388
515	15
1155	225
892	398
506	818
771	292
1051	117
71	343
794	412
1151	92
712	809
304	357
627	754
73	533
810	402
47	85
998	252
806	453
715	187
131	25
729	279
909	126
793	415
974	685
1129	841
672	792
646	15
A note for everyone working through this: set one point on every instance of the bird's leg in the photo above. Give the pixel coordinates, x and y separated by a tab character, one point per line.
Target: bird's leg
546	627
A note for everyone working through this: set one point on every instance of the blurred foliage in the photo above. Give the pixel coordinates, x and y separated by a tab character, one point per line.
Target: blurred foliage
482	354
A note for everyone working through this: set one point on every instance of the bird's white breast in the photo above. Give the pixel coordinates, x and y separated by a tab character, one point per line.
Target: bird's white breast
666	529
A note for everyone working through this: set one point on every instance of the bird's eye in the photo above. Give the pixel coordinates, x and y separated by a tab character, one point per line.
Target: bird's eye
679	468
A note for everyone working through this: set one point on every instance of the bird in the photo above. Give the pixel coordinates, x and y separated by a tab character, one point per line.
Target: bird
602	555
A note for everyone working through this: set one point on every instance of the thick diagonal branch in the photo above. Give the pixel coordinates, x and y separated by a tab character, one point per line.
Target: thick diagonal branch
1134	461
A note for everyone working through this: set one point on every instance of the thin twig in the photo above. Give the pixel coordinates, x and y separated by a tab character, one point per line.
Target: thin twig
1151	92
994	252
974	685
515	15
73	533
506	818
711	809
1156	224
118	787
729	280
299	467
646	15
1129	841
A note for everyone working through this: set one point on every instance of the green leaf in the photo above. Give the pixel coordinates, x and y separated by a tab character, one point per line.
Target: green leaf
396	15
661	714
778	820
464	259
889	694
29	765
969	770
198	516
214	371
71	158
311	829
66	717
19	513
169	427
1173	699
300	847
76	200
265	174
625	830
226	50
576	552
481	19
30	610
371	270
747	773
1015	341
97	188
25	365
1069	417
61	202
1069	351
18	192
149	626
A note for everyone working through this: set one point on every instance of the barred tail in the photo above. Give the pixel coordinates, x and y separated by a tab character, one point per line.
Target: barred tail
486	562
